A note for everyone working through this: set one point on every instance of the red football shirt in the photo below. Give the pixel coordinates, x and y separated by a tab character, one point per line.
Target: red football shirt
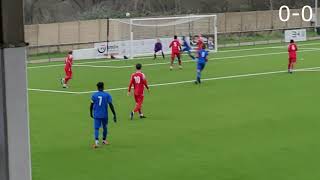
200	43
68	62
175	46
292	49
138	81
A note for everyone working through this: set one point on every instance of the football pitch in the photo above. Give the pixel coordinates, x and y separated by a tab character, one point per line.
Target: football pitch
248	120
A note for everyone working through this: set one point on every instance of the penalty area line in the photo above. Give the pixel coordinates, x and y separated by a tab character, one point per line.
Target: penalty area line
182	82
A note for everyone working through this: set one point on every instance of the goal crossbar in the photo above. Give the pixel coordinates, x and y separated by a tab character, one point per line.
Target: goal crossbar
175	17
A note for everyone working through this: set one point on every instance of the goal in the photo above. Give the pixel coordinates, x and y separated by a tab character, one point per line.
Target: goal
136	37
140	34
144	32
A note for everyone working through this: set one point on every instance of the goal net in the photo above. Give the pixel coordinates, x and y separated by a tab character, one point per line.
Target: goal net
137	37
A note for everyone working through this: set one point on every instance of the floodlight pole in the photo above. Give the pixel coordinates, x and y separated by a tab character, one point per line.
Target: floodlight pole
15	158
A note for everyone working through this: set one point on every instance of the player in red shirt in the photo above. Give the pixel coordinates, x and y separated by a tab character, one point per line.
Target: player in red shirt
139	82
199	43
67	70
292	49
175	52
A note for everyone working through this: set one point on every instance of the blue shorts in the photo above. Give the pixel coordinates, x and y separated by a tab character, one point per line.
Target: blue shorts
98	122
201	66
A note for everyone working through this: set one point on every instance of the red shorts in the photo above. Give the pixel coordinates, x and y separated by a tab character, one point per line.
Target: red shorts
175	54
292	60
139	98
68	72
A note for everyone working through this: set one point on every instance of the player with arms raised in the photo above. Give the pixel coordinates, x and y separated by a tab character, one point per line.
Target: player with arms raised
292	49
139	82
99	112
175	52
67	70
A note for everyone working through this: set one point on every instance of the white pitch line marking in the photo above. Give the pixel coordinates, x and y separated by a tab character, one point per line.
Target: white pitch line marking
309	70
181	82
118	60
53	91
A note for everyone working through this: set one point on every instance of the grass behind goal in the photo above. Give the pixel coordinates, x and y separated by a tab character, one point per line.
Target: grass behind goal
248	121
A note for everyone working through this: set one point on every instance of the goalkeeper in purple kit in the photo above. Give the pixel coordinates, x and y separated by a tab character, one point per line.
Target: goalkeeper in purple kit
158	48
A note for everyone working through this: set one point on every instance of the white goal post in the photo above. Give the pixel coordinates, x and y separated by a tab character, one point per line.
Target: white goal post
138	36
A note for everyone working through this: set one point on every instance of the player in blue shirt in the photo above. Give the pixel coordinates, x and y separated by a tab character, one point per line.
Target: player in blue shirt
99	112
201	63
186	47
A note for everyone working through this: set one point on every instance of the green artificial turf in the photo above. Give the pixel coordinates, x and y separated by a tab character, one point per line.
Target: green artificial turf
263	127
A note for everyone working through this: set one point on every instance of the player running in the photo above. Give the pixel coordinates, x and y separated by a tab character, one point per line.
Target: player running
99	112
201	63
186	47
67	70
158	48
175	52
292	49
139	82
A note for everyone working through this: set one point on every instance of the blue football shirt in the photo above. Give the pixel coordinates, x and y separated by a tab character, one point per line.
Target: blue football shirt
100	102
202	56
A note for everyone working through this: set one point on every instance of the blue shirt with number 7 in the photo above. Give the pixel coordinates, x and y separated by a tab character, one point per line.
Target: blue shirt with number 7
100	102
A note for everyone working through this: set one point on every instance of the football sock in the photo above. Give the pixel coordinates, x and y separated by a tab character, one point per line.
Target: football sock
104	133
198	80
62	81
192	57
198	75
163	55
97	142
66	80
96	133
155	56
289	66
131	115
